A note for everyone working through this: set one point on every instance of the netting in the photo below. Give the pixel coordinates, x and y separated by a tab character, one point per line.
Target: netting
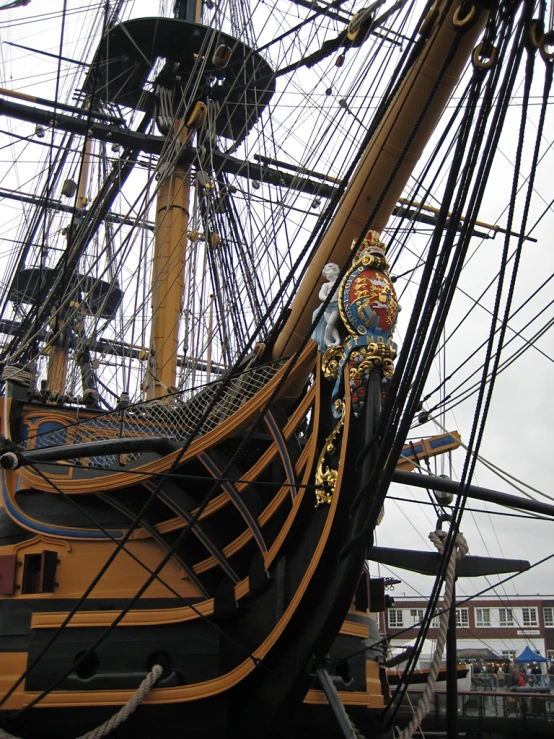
175	417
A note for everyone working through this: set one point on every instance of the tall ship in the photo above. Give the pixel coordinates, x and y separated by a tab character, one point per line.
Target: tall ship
239	240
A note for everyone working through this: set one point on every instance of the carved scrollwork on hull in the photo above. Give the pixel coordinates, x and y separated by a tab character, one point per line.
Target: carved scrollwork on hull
365	357
326	475
362	361
331	360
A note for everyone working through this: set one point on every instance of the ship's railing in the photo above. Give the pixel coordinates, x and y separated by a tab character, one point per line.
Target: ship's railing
175	417
489	709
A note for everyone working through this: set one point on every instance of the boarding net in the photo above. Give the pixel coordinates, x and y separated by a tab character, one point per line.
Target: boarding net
175	417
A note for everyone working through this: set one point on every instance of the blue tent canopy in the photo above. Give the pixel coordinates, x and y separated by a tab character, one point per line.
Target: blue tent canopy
529	656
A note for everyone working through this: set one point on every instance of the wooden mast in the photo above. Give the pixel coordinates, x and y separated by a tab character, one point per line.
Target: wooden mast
384	152
168	269
172	217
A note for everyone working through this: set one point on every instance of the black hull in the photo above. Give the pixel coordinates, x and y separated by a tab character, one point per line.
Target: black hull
302	599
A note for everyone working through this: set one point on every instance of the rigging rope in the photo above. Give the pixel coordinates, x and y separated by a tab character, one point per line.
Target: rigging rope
503	474
503	324
459	551
413	367
444	290
124	712
391	427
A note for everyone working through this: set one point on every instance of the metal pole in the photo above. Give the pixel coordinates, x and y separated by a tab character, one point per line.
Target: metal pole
345	727
452	671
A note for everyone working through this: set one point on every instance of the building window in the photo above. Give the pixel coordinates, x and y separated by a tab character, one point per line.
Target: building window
505	617
482	617
436	622
509	655
550	653
548	614
462	617
529	616
416	614
395	618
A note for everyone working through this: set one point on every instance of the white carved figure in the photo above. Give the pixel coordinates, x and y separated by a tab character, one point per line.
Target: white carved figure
326	332
331	316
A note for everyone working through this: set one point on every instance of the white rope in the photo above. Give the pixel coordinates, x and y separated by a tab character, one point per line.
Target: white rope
124	712
459	551
412	707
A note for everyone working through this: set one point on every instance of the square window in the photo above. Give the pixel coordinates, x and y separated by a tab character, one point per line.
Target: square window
548	614
395	618
416	615
462	617
505	617
39	573
529	616
31	574
482	617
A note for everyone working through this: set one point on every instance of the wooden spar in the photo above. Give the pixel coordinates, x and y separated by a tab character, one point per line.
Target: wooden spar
59	351
57	105
482	224
381	157
168	271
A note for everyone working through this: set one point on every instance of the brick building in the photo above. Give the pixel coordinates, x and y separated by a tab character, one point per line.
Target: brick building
504	625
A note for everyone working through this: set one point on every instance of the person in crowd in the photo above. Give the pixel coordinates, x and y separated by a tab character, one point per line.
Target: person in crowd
500	676
515	675
551	674
507	675
535	677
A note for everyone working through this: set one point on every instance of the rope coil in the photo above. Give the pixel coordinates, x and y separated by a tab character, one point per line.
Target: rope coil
459	551
439	537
